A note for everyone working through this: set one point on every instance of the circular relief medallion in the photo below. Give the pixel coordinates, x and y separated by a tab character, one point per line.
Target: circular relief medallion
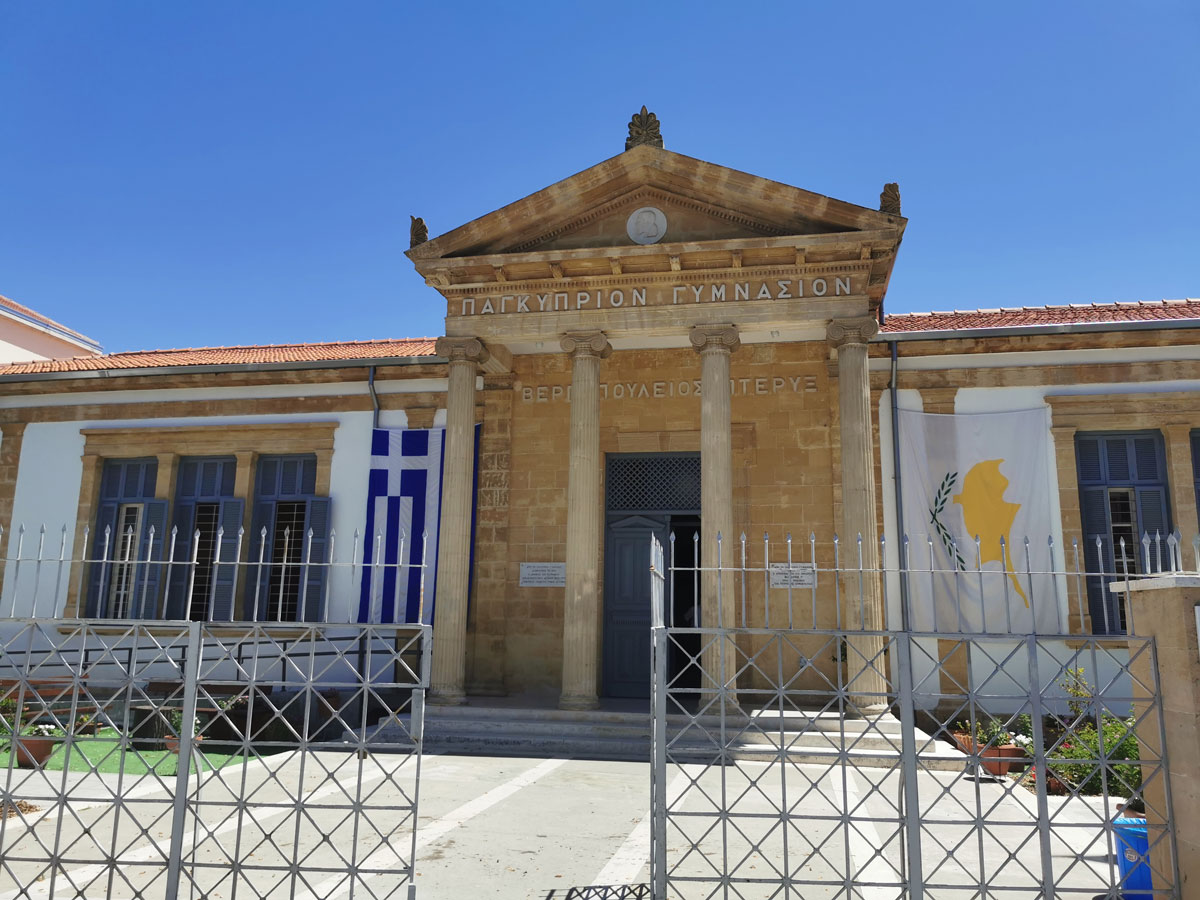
646	225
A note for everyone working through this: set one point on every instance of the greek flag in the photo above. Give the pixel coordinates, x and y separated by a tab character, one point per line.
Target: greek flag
403	503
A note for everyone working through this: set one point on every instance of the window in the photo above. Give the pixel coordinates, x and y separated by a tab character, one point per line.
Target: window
1122	497
203	589
127	542
1196	468
289	538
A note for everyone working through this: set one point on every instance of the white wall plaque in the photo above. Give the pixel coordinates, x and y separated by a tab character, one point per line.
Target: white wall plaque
646	225
793	575
543	574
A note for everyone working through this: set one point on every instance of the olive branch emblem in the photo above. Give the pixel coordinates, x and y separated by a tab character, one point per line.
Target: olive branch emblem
939	504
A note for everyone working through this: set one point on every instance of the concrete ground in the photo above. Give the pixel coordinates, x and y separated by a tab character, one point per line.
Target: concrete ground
550	829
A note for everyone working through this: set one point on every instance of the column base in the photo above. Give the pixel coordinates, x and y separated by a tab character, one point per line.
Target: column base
578	701
446	698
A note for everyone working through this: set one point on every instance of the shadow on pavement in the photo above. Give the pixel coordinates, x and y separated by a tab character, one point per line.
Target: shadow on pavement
598	892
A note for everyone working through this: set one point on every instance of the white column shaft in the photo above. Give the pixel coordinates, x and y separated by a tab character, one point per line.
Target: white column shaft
581	612
454	538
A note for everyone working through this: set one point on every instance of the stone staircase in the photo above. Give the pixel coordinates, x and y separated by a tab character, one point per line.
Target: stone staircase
624	734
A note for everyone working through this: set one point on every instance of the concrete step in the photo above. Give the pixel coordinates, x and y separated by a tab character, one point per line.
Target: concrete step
818	739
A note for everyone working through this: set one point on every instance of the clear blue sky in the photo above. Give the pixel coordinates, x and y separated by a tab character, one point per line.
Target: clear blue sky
197	173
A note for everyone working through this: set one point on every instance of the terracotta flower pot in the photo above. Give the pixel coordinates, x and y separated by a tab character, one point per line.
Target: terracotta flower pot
996	760
172	743
32	752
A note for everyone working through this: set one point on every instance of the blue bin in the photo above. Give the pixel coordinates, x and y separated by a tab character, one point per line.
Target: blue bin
1132	849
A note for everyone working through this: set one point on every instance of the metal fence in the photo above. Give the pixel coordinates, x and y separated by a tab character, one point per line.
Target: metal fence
828	727
213	574
190	759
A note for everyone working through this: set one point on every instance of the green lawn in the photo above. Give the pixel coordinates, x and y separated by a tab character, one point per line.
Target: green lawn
102	753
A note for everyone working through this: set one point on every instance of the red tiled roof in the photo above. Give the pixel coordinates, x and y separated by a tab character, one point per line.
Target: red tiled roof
22	310
1031	316
220	356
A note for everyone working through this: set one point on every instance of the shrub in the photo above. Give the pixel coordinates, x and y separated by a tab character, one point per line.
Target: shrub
1105	748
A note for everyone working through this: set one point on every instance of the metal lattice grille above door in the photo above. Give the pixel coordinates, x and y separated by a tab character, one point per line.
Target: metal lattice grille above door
665	482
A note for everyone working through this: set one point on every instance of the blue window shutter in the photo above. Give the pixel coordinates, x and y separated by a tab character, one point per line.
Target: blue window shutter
187	479
177	605
1093	508
1196	470
1153	519
110	480
225	575
1116	455
1147	455
289	478
210	477
103	547
317	519
268	477
1087	456
152	559
258	577
308	475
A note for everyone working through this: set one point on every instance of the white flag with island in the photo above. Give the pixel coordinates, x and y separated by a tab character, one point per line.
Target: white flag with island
977	512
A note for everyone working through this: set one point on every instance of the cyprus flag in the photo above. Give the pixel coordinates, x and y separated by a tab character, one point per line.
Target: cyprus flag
984	476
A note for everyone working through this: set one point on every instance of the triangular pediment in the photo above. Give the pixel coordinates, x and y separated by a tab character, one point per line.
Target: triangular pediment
698	201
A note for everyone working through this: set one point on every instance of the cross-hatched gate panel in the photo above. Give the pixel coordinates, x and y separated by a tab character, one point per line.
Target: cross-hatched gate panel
197	760
659	482
818	758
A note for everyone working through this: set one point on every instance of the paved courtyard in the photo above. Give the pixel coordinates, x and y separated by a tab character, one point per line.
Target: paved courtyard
554	829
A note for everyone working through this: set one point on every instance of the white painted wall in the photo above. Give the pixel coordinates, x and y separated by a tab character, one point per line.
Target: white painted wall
49	479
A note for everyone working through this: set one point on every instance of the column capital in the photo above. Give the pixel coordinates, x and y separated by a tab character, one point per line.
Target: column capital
706	338
851	331
462	349
586	343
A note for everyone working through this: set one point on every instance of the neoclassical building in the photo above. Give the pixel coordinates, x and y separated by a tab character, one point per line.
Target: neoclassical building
656	345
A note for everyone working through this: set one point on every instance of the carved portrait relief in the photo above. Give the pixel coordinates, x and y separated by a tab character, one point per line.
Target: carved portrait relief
646	225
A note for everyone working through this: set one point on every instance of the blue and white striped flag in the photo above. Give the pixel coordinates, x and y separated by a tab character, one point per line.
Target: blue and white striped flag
403	502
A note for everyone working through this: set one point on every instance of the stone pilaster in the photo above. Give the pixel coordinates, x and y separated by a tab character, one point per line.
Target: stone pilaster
454	538
582	608
865	663
715	345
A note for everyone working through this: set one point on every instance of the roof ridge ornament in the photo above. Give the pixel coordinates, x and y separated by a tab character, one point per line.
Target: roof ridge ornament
889	199
418	233
644	129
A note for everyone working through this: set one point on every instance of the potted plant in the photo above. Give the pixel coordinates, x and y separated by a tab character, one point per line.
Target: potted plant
991	741
87	724
172	740
35	744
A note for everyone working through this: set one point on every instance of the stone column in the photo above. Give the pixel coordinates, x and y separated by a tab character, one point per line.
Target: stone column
454	538
715	344
581	610
865	664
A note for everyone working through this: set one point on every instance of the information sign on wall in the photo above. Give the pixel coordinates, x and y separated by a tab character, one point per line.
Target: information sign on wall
543	574
793	575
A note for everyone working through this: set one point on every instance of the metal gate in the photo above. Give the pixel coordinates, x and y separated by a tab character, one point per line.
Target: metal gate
811	755
196	759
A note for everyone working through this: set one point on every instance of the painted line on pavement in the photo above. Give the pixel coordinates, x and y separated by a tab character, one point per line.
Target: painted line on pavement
385	857
634	855
862	840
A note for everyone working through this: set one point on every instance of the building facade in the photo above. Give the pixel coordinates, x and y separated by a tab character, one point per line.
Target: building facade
656	345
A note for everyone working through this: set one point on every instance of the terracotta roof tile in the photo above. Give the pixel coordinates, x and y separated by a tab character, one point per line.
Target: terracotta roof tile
1032	316
218	356
22	310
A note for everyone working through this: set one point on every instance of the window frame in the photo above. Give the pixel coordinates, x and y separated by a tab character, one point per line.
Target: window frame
1118	467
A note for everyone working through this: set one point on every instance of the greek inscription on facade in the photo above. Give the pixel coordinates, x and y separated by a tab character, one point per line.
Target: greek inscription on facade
762	385
617	298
